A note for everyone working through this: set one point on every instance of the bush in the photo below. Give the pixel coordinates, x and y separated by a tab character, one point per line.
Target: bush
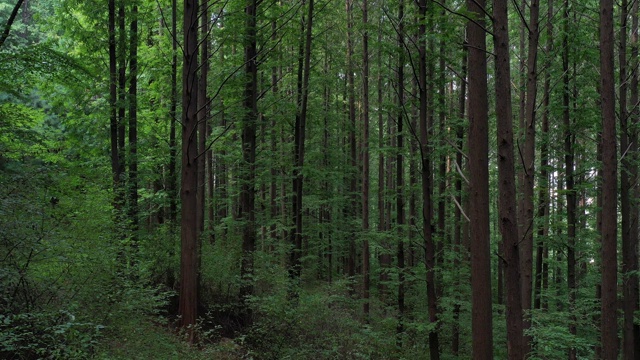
48	335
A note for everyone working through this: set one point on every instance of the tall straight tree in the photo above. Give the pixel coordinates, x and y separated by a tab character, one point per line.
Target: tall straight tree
427	208
304	66
400	172
113	99
173	106
632	296
188	306
352	178
481	314
203	112
247	177
569	176
628	180
507	182
543	189
526	245
608	323
366	277
132	185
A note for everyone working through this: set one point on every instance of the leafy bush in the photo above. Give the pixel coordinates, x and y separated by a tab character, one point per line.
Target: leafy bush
48	335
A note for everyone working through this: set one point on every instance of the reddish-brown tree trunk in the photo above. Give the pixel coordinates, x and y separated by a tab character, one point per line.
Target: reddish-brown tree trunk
189	238
526	245
481	312
608	323
400	173
427	206
365	160
506	183
299	142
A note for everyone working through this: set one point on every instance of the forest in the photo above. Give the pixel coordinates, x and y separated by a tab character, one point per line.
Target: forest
319	179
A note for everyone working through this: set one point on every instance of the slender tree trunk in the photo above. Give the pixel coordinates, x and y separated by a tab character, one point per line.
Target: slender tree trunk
9	23
132	185
202	116
427	212
526	245
381	174
299	142
628	182
631	259
481	313
507	182
569	177
173	105
457	239
113	102
188	306
122	98
351	262
399	174
247	176
543	192
365	160
608	326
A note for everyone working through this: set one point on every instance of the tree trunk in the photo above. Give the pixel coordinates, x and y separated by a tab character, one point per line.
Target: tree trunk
247	176
506	183
481	312
7	26
365	161
132	185
526	245
543	192
188	306
113	101
427	211
299	141
400	173
608	326
457	238
173	105
202	116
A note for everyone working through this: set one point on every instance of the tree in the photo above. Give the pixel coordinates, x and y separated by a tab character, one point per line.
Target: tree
365	161
481	318
628	175
132	185
608	329
304	66
427	206
9	23
188	307
506	183
526	246
247	179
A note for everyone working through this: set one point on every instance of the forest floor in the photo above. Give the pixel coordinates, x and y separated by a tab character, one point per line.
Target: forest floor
143	338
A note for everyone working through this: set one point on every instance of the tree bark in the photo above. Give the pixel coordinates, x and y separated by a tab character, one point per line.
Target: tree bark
543	192
188	307
399	174
507	183
427	191
481	312
247	176
113	101
132	185
173	105
12	18
608	325
299	141
526	245
365	161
